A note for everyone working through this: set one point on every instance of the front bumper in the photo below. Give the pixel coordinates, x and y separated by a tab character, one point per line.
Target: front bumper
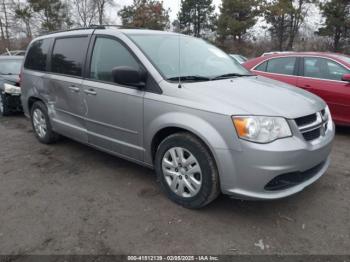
247	172
12	97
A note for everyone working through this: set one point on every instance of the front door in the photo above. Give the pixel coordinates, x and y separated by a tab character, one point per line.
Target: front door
114	118
322	77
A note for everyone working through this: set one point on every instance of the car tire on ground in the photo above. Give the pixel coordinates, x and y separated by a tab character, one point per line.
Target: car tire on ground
187	171
4	108
41	124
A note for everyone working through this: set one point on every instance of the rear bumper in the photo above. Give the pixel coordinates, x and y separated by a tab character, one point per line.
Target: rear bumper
249	173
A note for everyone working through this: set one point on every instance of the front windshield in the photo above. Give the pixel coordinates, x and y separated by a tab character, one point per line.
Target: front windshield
195	57
239	58
10	67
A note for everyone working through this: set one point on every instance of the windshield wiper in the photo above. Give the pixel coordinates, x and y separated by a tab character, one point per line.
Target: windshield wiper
230	75
189	78
6	74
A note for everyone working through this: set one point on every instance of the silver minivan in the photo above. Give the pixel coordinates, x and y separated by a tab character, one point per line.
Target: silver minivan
181	106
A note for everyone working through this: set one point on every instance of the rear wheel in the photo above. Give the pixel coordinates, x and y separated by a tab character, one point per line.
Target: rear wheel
41	124
4	108
187	171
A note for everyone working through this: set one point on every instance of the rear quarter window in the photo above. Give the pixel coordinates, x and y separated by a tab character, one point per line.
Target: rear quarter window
262	67
37	55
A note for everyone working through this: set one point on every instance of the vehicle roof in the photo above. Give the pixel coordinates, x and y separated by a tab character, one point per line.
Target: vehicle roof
107	30
8	57
16	51
146	32
292	53
335	56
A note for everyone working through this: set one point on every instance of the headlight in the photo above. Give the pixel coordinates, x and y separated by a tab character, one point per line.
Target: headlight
261	129
10	89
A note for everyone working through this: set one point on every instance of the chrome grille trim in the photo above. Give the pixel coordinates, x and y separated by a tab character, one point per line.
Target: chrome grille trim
316	124
321	125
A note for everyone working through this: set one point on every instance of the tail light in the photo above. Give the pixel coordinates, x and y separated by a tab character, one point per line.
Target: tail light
19	81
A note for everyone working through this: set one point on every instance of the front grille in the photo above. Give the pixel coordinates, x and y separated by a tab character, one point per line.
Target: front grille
305	120
288	180
312	135
313	126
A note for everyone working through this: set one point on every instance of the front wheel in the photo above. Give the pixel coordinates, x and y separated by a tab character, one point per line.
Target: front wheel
187	171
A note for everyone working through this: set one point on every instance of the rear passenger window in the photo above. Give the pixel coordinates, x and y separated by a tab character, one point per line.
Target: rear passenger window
283	65
68	55
37	54
107	54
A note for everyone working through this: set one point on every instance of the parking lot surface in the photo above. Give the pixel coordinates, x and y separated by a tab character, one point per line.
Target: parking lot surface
68	198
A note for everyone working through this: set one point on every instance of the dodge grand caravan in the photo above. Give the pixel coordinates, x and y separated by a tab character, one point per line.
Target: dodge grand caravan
181	106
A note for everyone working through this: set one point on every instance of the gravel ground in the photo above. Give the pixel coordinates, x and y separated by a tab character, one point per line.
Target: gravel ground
70	199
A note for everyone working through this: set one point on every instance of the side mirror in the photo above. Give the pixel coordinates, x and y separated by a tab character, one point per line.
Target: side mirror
346	77
129	76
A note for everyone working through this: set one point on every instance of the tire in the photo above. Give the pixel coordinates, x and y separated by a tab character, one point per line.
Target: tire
184	177
4	108
42	129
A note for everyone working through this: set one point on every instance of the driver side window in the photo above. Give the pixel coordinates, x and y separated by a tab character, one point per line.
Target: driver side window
108	54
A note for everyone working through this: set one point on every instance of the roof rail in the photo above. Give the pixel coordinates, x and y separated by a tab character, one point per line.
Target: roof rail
90	27
117	26
67	30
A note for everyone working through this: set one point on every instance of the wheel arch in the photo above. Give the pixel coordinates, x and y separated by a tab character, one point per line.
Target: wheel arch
31	101
195	126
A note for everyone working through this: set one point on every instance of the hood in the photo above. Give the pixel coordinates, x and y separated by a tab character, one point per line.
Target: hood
254	95
10	78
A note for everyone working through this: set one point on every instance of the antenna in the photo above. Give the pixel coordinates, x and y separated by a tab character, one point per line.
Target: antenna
179	43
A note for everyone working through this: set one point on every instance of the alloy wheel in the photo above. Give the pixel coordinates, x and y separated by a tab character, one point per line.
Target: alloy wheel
39	122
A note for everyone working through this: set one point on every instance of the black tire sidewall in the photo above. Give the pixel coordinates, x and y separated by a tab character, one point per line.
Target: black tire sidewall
6	110
206	162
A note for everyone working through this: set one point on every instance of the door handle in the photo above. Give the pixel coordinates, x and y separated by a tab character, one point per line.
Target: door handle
307	86
74	88
90	92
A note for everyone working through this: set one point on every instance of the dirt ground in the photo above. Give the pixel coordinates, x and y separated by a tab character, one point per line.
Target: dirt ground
70	199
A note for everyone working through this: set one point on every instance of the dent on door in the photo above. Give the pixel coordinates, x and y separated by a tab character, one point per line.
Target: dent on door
68	109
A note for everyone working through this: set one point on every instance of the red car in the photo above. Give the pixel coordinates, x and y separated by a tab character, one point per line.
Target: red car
324	74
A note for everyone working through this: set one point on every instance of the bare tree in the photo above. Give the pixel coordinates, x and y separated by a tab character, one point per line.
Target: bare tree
2	30
6	18
297	16
101	8
23	13
86	10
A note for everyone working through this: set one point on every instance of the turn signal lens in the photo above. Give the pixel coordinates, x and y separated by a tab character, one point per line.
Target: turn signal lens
241	126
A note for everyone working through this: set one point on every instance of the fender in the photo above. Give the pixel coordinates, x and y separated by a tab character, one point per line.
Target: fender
192	123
